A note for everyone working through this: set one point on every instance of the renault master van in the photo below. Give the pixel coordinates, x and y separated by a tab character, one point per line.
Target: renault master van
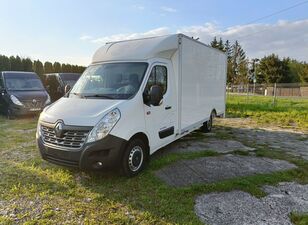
136	97
21	93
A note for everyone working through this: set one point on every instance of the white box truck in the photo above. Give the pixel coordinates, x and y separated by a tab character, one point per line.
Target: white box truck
136	97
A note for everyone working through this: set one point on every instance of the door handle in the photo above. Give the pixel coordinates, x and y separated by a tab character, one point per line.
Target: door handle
168	107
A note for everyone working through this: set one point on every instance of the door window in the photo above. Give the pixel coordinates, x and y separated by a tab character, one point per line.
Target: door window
159	77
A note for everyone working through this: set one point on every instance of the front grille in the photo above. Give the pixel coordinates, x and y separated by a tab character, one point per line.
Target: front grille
31	105
70	138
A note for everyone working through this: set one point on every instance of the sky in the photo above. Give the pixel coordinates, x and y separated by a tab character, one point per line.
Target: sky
71	31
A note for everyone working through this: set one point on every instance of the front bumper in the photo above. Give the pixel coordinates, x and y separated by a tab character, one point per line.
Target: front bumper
21	111
107	151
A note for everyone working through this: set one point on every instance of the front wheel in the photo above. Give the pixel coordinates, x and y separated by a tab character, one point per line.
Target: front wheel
10	115
133	160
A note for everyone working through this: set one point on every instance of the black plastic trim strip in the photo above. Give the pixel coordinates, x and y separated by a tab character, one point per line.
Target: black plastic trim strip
166	132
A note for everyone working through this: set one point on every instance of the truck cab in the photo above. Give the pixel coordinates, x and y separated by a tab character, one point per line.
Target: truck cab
21	93
132	100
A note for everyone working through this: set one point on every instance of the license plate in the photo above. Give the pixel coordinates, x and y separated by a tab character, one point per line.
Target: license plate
35	109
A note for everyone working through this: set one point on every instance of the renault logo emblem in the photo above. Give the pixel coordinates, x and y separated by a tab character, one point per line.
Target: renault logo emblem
34	102
59	129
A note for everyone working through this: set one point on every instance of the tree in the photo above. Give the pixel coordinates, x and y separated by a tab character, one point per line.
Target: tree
16	64
238	64
57	67
221	46
4	63
303	73
48	67
218	44
38	68
27	64
228	49
274	70
214	43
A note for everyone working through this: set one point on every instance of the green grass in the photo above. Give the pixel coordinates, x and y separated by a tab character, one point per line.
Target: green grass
287	113
38	192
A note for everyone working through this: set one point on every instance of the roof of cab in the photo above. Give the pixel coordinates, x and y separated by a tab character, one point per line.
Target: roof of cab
138	49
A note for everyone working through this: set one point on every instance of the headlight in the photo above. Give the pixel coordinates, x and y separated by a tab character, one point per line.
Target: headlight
104	126
48	101
15	100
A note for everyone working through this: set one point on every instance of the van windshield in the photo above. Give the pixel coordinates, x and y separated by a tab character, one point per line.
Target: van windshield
23	82
110	81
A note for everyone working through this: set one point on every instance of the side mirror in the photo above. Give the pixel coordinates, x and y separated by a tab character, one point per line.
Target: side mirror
154	96
67	88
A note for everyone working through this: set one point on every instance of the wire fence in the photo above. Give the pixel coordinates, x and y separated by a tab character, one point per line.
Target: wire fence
274	90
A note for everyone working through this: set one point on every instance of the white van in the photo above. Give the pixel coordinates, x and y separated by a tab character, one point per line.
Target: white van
136	97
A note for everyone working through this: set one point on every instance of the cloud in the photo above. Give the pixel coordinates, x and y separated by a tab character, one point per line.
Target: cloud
85	37
118	37
139	7
168	9
285	38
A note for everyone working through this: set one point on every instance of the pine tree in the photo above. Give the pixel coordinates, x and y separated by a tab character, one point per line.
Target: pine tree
220	45
214	43
48	67
4	63
228	49
239	65
38	68
57	67
15	63
27	64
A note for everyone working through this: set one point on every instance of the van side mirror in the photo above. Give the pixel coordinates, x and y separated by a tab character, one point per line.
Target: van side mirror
67	88
154	96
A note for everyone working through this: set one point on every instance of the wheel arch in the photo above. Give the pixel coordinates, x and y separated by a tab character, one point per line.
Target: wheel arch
144	138
214	111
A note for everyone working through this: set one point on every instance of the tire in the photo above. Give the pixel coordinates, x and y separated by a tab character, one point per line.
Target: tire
207	126
134	158
9	115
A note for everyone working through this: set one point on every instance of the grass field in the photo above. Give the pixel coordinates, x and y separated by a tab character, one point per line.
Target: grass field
33	191
286	113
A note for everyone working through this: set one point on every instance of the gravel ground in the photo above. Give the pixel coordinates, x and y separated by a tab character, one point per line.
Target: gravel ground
218	168
241	208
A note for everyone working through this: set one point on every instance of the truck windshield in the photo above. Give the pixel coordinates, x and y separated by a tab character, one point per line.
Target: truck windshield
110	81
23	82
69	78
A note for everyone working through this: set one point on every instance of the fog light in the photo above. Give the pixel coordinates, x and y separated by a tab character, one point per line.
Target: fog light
98	165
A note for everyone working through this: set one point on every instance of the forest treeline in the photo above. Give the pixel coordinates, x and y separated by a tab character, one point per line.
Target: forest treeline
268	69
17	63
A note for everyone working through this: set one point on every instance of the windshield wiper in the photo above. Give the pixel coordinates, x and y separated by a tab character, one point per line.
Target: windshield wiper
98	96
79	95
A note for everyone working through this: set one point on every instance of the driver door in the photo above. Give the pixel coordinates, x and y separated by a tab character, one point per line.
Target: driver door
160	120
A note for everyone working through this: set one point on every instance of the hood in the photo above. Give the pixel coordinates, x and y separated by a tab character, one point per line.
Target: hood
77	111
30	95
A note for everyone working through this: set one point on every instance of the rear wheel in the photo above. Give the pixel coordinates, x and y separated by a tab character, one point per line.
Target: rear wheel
207	125
134	158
